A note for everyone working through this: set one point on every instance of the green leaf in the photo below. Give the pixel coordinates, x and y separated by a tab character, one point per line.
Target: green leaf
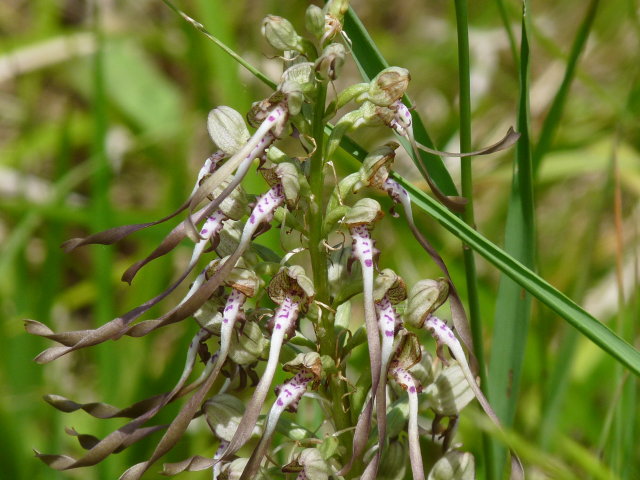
513	306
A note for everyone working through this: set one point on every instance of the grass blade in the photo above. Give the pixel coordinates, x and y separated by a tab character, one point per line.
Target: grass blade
513	307
466	174
552	120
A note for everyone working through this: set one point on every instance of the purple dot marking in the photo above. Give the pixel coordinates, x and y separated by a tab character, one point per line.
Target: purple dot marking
271	118
389	333
368	262
412	389
278	326
280	402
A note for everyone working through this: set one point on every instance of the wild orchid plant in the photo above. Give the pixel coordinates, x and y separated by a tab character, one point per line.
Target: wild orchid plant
312	284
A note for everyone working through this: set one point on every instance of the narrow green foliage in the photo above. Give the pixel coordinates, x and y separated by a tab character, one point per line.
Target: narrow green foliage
552	120
513	305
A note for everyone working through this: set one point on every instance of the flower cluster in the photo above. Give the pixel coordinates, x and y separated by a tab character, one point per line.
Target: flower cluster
254	307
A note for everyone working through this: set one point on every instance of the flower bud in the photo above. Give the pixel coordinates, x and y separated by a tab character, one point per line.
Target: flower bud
389	284
365	212
450	391
314	20
227	129
425	297
280	34
329	64
454	465
388	86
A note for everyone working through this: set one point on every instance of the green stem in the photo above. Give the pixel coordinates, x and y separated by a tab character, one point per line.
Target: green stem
467	192
336	388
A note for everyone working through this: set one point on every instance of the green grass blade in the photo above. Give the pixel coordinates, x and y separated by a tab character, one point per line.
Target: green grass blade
513	307
257	73
552	120
466	175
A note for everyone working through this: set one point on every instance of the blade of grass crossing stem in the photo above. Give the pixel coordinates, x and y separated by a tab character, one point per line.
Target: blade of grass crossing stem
552	120
513	305
466	173
554	299
370	62
102	258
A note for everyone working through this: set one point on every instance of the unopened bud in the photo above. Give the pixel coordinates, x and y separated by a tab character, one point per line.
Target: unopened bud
280	34
314	20
227	129
450	391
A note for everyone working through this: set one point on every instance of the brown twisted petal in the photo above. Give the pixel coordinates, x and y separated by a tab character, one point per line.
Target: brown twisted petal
109	331
116	234
509	139
103	410
89	441
195	463
173	238
34	327
114	440
177	427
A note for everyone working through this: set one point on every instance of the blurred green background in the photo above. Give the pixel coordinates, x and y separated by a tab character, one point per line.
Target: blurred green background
148	97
